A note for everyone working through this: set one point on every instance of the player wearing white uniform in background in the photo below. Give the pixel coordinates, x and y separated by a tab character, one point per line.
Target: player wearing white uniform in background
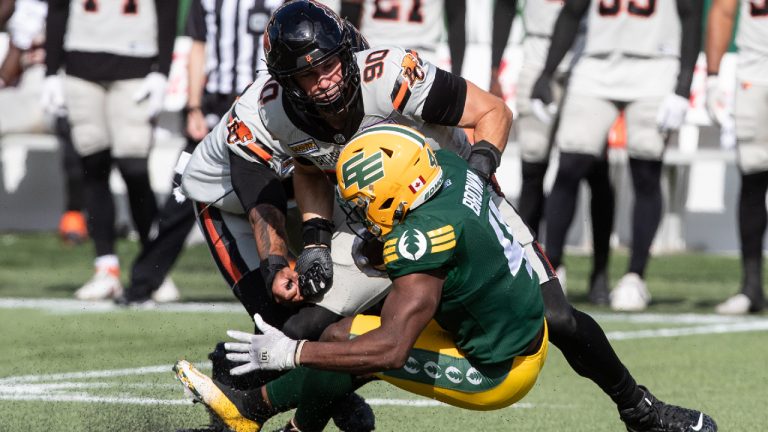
415	24
21	79
535	131
751	133
116	55
321	95
639	58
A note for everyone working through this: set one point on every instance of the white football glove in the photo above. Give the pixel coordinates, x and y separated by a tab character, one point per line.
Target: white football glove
52	96
717	102
672	112
361	261
271	350
153	90
542	101
27	23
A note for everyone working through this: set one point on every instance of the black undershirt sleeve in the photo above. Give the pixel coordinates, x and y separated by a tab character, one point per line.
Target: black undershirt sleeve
690	12
566	29
445	102
456	21
196	28
503	15
167	11
256	184
55	26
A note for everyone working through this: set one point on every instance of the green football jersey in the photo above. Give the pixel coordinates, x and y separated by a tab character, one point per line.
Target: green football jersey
491	301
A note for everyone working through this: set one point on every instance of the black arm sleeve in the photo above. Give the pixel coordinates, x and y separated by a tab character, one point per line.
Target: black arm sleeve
456	20
503	15
445	102
55	26
256	184
566	29
352	11
167	11
196	28
690	12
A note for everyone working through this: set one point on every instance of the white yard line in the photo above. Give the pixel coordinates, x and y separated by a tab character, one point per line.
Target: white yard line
64	387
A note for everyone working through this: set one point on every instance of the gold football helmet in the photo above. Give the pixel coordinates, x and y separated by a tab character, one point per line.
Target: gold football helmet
384	172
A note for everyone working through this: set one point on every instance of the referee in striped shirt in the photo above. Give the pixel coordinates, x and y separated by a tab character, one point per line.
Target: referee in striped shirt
225	58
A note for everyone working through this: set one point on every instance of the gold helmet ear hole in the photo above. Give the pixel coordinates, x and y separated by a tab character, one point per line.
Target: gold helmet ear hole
386	204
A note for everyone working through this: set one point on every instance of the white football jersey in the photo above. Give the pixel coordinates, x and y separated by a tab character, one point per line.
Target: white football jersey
127	28
414	24
752	40
539	17
394	86
646	28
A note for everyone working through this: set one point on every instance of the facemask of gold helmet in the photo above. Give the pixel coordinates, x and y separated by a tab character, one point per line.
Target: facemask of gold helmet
383	173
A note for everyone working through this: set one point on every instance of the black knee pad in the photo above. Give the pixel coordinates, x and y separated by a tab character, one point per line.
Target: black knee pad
97	166
558	312
309	323
133	169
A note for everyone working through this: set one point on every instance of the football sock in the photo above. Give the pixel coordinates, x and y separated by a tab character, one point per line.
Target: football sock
140	195
646	182
98	201
752	224
531	206
561	204
314	392
457	34
602	208
73	169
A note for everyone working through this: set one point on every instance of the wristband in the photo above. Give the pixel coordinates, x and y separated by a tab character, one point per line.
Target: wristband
297	355
317	231
269	268
484	158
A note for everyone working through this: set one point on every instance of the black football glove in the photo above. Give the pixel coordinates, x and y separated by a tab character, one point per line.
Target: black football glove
484	158
315	269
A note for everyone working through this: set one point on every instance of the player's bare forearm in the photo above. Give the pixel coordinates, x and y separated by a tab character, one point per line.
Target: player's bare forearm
722	15
10	70
196	74
406	312
268	225
690	12
488	115
314	193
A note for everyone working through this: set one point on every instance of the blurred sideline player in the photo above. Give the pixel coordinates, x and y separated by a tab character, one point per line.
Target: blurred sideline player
223	60
751	119
116	56
414	24
21	78
442	308
638	57
326	92
535	132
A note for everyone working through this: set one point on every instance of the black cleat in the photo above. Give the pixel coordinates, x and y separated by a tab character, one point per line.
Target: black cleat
354	415
653	415
598	289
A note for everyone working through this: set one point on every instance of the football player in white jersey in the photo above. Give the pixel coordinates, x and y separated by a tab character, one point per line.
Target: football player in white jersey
639	58
21	78
116	56
751	132
321	93
416	24
535	132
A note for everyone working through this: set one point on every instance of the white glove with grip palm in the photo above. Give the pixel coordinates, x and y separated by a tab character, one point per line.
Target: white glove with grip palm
672	113
717	101
52	96
153	90
271	350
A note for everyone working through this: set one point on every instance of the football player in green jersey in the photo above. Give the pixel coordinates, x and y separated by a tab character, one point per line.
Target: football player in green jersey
464	321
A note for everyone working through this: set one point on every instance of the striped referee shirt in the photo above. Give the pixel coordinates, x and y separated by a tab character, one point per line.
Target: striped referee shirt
232	31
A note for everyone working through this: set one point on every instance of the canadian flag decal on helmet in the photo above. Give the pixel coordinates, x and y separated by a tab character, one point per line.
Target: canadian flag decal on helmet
416	184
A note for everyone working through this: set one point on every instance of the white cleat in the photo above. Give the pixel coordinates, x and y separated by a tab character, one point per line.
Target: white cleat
736	305
105	284
630	294
167	292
